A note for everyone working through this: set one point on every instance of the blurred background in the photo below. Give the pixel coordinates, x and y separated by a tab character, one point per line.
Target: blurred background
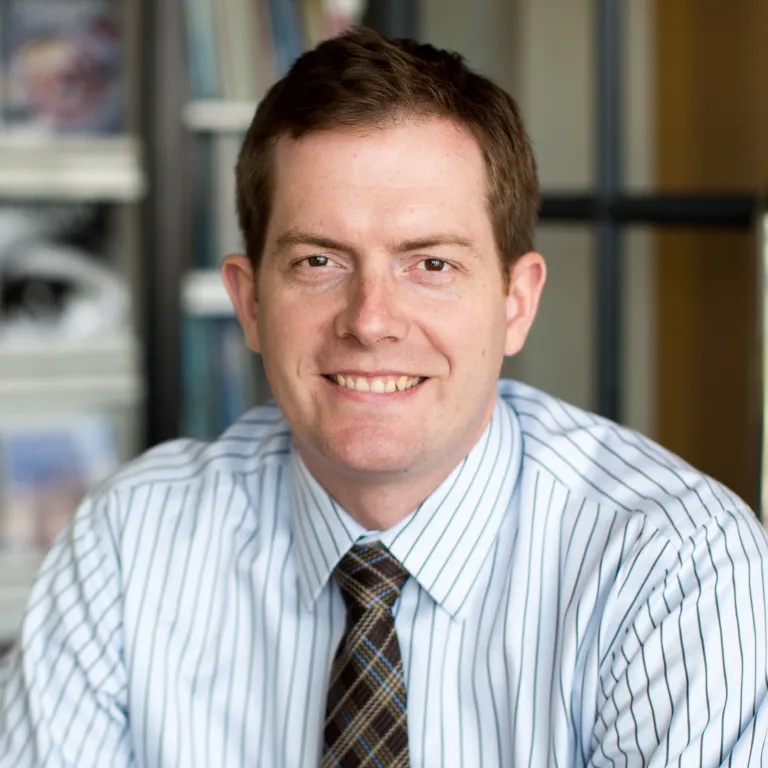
120	122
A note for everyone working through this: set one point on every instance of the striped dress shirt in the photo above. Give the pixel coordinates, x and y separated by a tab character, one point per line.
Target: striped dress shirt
578	597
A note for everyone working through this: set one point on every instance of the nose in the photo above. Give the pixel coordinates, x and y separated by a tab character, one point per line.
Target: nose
373	311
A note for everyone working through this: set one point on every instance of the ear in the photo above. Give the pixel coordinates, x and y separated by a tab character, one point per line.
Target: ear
239	280
526	282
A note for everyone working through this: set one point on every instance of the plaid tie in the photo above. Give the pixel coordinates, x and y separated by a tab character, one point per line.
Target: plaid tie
365	720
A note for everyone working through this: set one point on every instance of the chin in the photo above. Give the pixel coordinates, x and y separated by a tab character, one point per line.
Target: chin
371	455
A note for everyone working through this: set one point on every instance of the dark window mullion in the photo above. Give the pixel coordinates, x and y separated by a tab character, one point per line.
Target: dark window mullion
609	156
711	210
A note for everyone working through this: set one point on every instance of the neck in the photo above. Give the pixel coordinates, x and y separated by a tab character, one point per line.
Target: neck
381	504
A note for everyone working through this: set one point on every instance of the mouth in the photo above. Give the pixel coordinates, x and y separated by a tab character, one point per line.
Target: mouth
377	385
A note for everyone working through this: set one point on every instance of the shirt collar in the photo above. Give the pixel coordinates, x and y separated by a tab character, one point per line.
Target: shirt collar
443	544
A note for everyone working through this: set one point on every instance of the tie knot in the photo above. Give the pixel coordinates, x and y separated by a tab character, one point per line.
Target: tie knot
370	577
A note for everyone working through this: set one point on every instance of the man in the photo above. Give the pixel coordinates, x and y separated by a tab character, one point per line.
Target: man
403	561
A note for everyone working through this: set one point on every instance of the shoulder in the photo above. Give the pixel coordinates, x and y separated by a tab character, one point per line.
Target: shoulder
618	468
258	437
193	479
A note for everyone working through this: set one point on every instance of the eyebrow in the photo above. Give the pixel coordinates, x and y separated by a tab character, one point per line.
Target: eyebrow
294	237
432	241
298	237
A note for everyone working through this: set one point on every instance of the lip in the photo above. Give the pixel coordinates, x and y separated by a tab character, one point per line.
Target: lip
374	374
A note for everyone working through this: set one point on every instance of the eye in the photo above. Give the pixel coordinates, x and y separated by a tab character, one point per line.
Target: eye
434	265
317	261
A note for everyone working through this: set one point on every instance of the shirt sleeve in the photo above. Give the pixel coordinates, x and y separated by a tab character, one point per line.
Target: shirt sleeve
63	691
683	678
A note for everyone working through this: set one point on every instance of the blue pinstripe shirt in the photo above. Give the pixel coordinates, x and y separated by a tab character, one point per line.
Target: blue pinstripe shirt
578	597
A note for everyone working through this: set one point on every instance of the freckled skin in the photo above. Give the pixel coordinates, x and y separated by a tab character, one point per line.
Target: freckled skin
402	276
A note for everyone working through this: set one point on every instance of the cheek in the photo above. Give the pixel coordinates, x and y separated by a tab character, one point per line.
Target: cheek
289	330
470	336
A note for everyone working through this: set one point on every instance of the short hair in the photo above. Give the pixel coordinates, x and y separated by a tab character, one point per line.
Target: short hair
361	79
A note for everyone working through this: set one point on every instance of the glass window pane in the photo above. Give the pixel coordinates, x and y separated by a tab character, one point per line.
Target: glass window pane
559	354
695	101
689	367
689	355
639	94
542	52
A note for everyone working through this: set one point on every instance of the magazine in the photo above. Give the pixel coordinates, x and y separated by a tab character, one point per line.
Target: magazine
62	61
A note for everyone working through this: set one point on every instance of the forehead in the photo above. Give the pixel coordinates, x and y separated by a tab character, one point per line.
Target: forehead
427	163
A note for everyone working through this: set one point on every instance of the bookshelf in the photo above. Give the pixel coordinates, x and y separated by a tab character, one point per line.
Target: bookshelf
56	377
215	112
145	174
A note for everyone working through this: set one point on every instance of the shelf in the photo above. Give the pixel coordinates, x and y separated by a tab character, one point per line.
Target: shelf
91	168
218	116
17	572
103	370
203	295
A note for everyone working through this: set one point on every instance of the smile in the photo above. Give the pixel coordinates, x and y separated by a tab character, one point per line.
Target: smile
378	385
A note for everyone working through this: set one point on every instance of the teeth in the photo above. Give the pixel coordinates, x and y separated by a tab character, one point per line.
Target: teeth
378	386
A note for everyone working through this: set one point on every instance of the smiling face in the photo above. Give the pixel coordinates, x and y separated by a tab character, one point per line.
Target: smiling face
381	311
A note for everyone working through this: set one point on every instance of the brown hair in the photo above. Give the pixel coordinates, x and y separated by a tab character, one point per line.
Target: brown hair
361	79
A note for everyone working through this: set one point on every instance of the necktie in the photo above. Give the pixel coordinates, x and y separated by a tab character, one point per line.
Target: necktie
365	720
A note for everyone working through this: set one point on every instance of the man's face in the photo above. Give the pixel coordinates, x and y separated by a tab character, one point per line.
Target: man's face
381	310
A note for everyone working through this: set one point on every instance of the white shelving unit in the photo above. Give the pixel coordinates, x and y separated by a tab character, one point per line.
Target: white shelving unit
100	370
84	168
203	295
37	377
43	384
218	116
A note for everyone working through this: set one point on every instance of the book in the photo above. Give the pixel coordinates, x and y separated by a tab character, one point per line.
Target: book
222	377
215	226
312	22
243	46
322	19
202	49
241	380
246	58
63	66
236	49
287	34
45	472
231	373
198	396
